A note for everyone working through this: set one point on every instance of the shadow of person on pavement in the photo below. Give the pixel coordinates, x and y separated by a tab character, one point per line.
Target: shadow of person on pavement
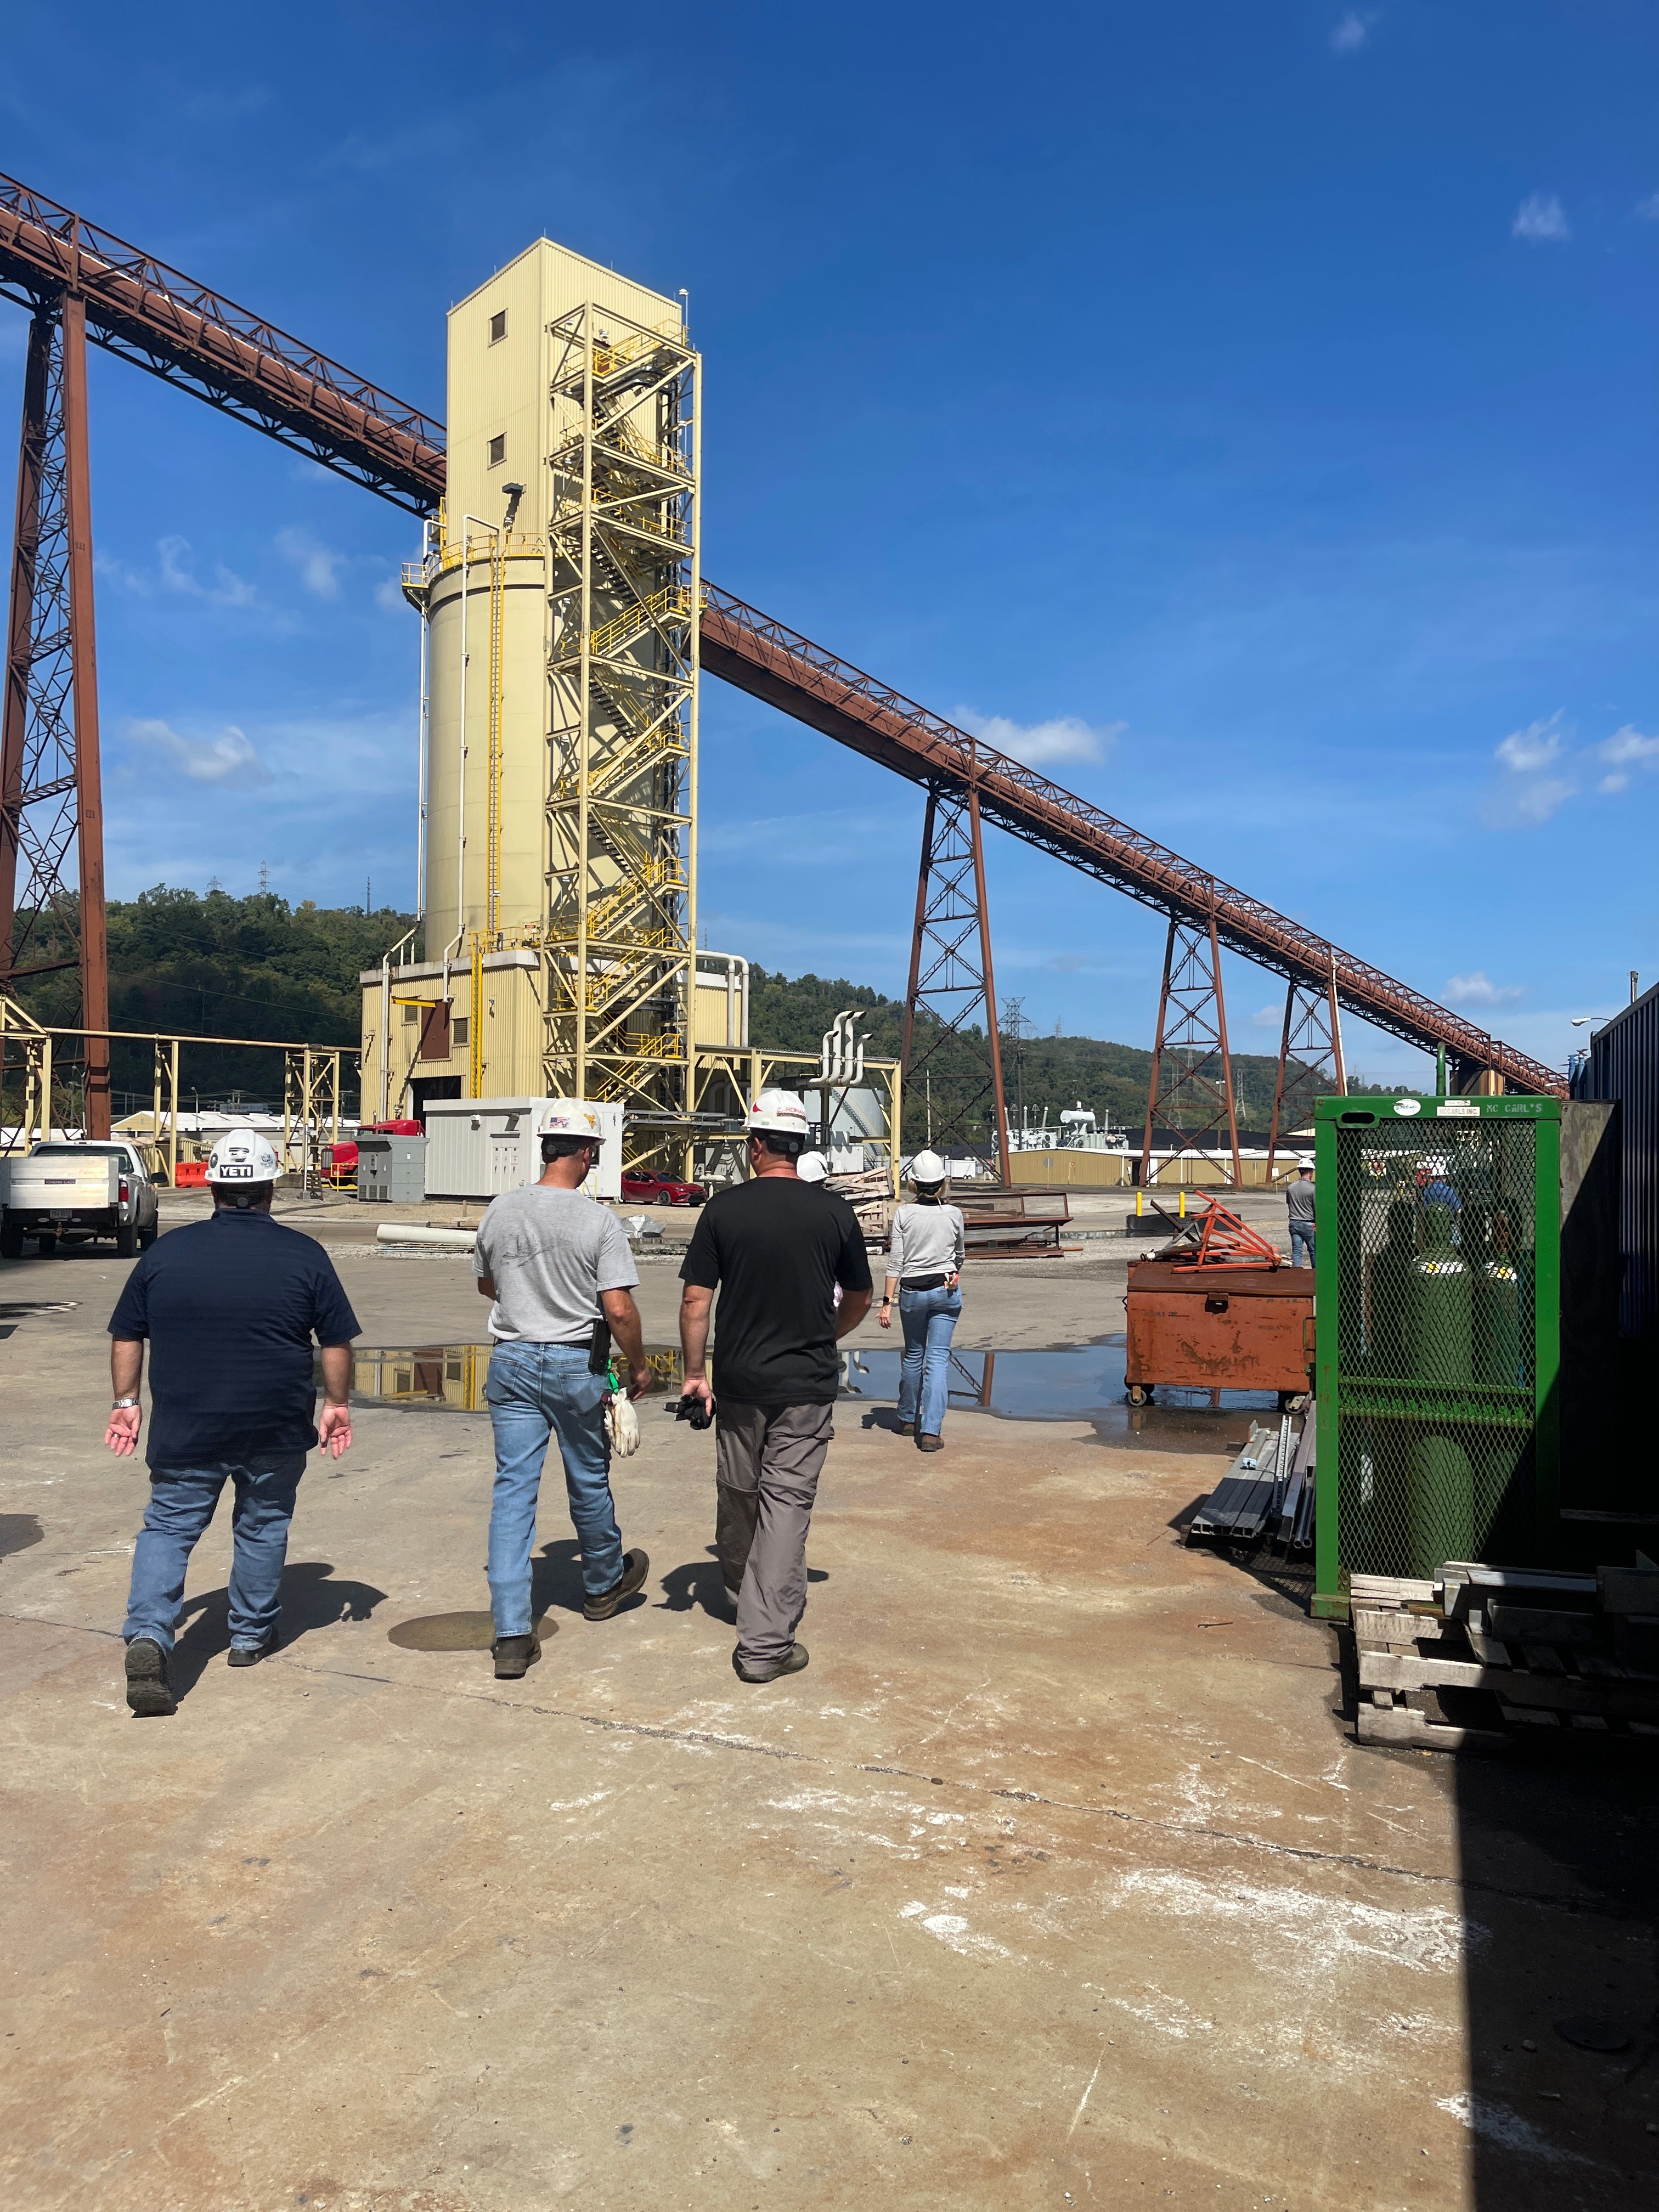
311	1599
700	1583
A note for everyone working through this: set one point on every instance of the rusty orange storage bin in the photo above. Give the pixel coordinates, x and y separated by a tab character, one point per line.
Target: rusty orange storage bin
1218	1328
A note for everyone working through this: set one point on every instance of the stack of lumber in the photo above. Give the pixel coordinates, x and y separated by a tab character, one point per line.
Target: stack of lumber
1479	1655
871	1197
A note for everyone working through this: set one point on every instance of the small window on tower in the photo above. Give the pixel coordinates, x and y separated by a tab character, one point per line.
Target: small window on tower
497	452
498	327
460	1028
410	1013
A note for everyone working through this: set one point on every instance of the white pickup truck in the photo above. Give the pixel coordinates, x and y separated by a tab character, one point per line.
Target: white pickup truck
74	1192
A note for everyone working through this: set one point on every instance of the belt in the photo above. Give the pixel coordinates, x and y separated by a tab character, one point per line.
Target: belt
924	1282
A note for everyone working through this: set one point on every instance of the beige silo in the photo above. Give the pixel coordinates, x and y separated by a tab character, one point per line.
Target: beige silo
559	841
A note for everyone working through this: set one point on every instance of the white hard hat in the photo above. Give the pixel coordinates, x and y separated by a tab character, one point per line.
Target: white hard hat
570	1117
1304	1159
779	1111
243	1156
811	1167
927	1167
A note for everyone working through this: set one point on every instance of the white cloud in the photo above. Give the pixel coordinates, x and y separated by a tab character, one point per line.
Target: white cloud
1350	34
1531	790
1528	750
227	589
389	593
1542	220
1066	737
175	572
1269	1017
319	564
228	760
1477	990
1648	210
1625	749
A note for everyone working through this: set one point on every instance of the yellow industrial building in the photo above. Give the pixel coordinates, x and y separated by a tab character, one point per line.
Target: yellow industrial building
559	593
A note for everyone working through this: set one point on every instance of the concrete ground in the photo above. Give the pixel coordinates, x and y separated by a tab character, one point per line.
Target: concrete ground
1055	1879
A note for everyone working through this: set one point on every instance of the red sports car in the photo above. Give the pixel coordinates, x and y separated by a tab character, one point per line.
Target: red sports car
646	1189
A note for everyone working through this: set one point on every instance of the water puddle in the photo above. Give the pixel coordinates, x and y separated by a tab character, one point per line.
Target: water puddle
1084	1384
458	1632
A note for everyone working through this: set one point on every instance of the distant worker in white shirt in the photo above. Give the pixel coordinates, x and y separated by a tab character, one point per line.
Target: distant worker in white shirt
563	1278
924	1265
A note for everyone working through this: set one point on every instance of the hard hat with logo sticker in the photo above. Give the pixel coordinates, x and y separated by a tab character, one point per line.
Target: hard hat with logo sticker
243	1156
780	1112
570	1117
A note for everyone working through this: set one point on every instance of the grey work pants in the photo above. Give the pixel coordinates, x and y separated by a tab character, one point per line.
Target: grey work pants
768	1460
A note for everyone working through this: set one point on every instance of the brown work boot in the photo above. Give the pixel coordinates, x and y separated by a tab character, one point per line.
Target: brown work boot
791	1664
149	1687
930	1443
514	1655
636	1565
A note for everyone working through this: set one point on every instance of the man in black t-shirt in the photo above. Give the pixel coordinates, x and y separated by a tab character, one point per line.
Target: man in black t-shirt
230	1307
776	1248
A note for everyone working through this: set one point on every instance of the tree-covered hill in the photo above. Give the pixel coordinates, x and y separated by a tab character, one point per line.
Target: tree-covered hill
208	964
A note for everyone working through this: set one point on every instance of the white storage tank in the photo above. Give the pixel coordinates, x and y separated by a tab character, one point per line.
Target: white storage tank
479	1148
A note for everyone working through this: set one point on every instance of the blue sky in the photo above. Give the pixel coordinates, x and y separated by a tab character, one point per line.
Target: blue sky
1245	407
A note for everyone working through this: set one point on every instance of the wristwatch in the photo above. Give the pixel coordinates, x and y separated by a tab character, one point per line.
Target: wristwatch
122	1404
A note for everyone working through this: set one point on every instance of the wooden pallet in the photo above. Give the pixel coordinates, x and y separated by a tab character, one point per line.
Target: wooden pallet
1536	1643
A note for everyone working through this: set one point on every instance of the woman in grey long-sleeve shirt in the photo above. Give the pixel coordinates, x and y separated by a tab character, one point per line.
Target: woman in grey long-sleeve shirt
924	1265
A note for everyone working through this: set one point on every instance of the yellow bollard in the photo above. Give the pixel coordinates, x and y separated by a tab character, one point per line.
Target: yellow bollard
1184	1201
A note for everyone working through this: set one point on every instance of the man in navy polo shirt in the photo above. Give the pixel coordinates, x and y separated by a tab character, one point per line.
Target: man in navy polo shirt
231	1307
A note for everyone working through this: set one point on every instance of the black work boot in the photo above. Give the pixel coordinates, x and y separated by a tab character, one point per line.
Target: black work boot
636	1565
514	1655
250	1654
149	1687
791	1664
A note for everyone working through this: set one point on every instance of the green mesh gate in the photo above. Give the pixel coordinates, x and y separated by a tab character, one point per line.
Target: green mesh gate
1438	1331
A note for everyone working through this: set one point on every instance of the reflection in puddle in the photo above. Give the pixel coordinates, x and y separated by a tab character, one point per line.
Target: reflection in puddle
1083	1384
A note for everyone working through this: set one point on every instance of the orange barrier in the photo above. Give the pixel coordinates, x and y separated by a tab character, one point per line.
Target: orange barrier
192	1174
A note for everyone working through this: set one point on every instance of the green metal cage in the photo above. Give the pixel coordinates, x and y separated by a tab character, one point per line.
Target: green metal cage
1439	1311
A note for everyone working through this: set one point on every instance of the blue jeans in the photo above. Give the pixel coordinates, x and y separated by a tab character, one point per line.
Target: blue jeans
181	1503
929	1321
1302	1241
534	1390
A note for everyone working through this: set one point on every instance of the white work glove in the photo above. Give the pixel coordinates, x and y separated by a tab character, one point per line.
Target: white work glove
622	1425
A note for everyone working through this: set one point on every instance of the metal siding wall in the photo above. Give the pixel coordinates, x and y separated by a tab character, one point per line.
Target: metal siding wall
1623	1065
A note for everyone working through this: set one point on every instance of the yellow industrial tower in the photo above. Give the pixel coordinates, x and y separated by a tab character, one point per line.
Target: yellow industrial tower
559	594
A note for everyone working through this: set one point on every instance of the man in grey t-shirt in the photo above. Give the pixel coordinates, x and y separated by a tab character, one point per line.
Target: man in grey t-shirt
1299	1204
559	1271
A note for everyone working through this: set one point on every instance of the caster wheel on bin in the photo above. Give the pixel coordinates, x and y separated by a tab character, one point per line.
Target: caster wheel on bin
1139	1394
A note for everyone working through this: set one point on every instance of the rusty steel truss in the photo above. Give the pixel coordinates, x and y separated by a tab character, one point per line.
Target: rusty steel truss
952	979
51	816
1190	1096
179	330
1310	1062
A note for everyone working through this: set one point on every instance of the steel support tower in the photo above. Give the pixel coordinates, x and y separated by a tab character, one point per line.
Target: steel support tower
952	979
1310	1062
619	936
51	814
1191	1090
